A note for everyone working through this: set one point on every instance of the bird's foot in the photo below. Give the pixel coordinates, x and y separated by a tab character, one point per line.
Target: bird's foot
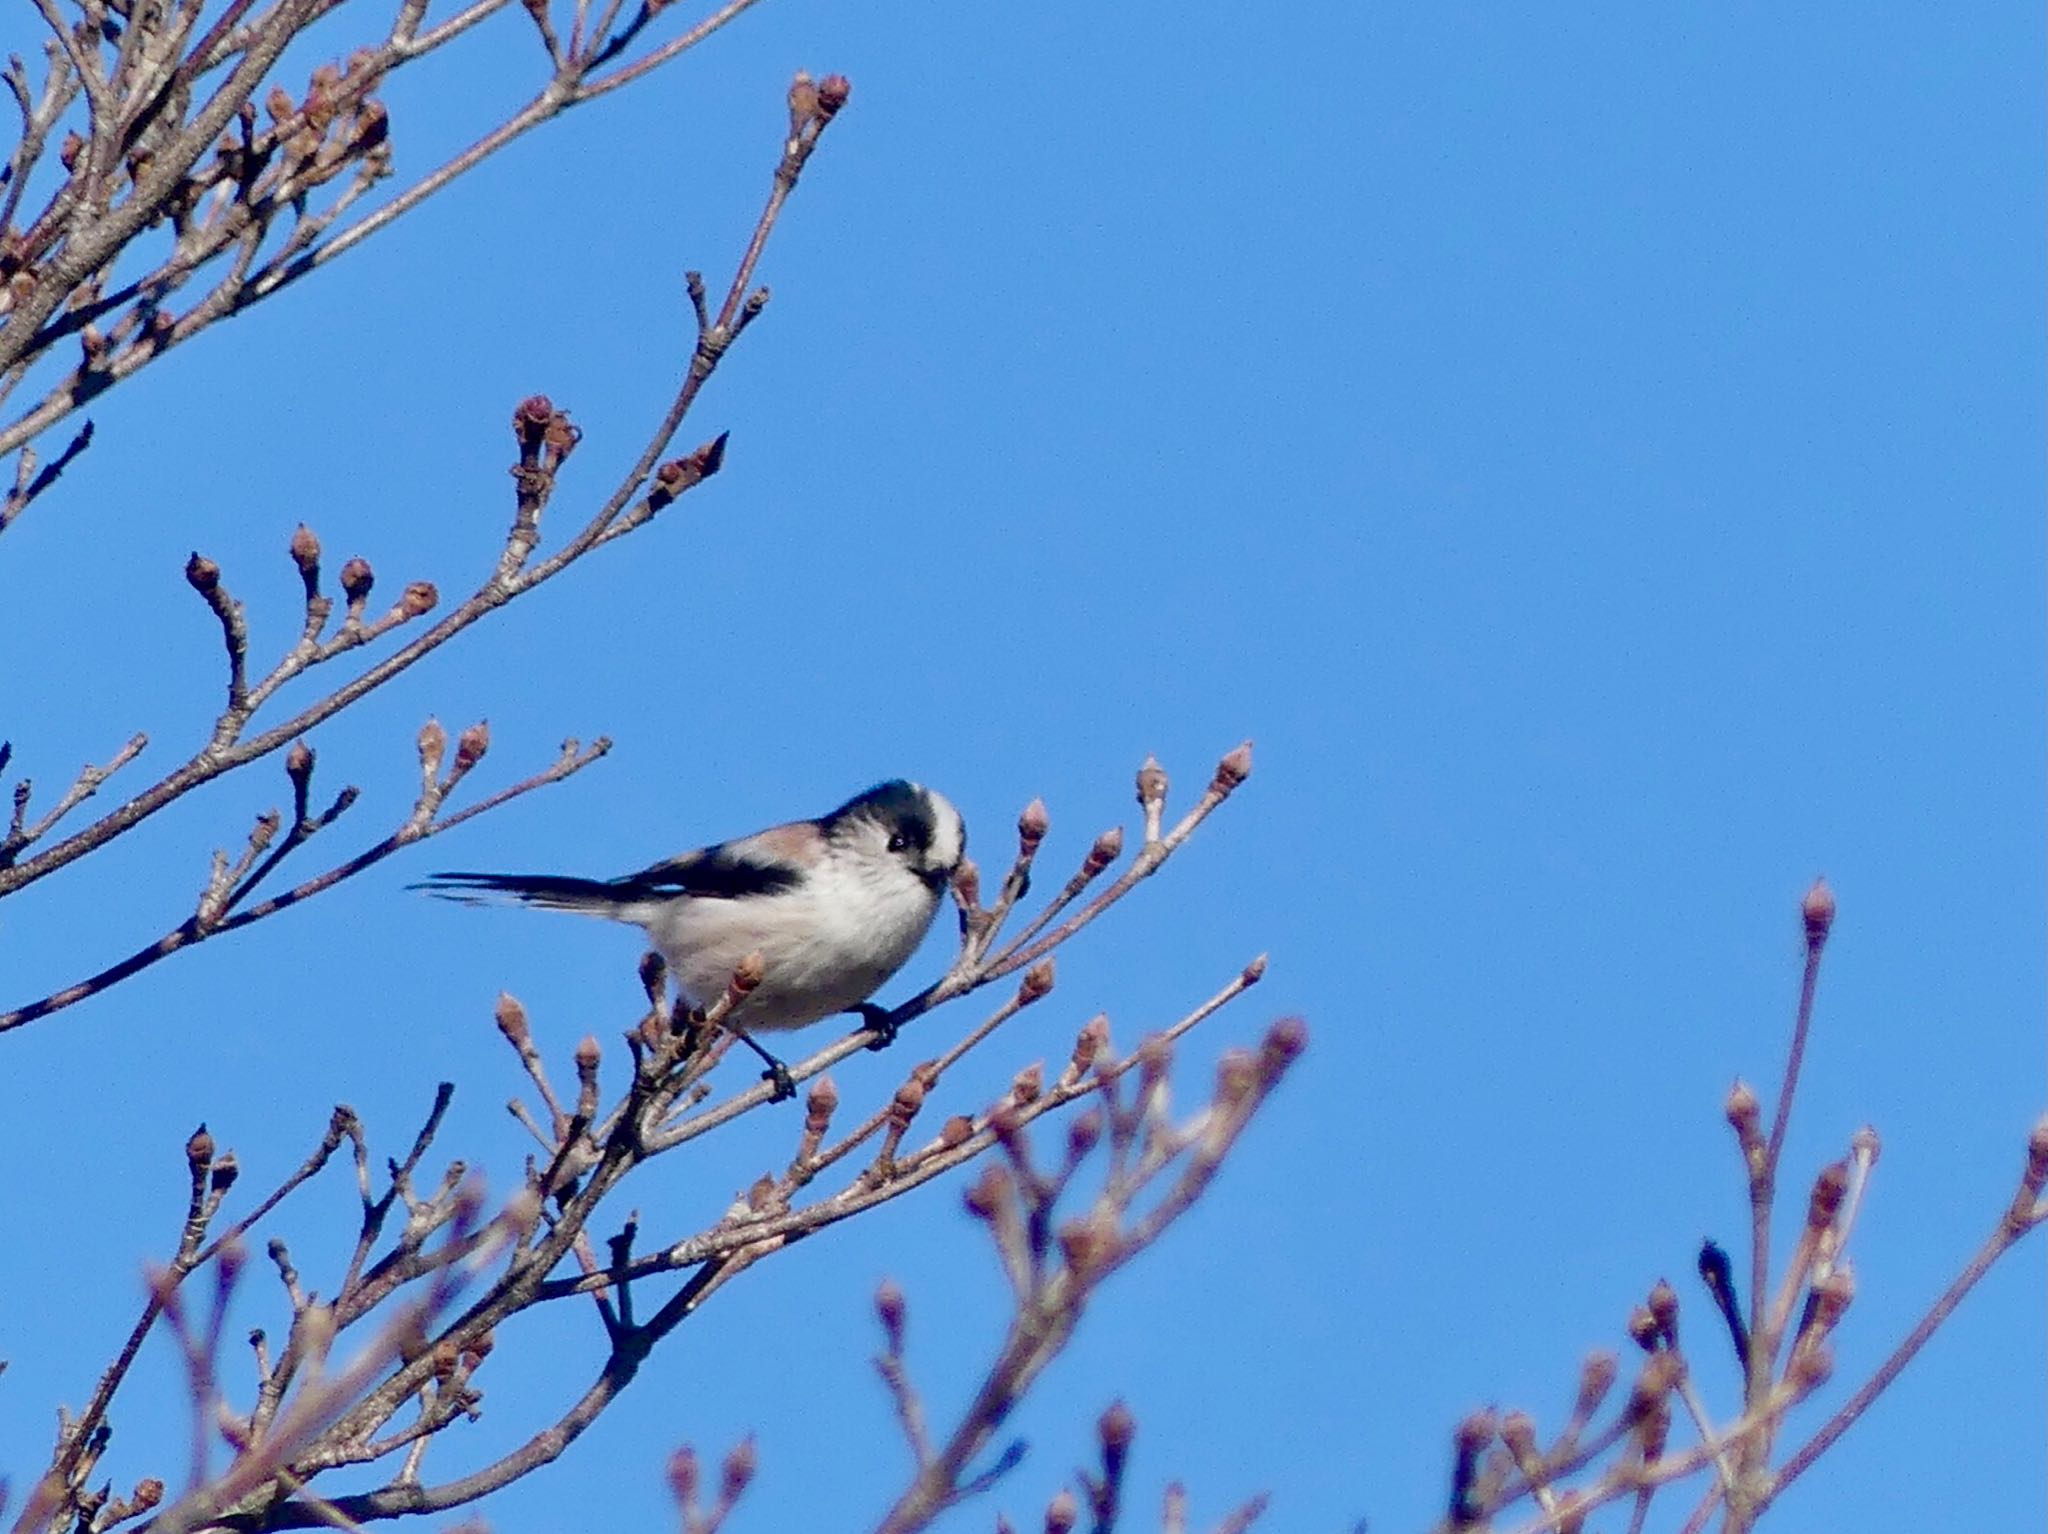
777	1074
880	1020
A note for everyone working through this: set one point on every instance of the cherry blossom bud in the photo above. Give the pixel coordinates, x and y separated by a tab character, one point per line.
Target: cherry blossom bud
1818	912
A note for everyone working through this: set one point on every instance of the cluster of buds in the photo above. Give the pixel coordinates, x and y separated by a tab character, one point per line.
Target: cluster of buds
545	435
815	101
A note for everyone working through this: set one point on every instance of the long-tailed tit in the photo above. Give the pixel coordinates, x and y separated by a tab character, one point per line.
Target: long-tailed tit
834	906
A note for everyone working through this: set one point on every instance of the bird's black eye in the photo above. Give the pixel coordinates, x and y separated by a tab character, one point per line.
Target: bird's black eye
898	842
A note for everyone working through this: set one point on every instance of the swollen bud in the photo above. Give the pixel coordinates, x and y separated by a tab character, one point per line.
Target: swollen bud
967	884
890	1310
1032	824
511	1019
1037	982
202	574
739	1469
833	92
356	580
682	1476
1284	1042
1817	910
1105	851
747	974
1028	1084
908	1099
1232	770
803	100
1826	1199
199	1150
471	745
530	420
433	743
306	554
1116	1428
2035	1178
419	597
1745	1113
1151	783
1062	1513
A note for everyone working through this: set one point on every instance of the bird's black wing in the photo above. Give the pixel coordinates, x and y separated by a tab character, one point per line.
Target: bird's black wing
724	872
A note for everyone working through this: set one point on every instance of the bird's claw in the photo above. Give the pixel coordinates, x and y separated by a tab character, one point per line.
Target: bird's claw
778	1077
880	1021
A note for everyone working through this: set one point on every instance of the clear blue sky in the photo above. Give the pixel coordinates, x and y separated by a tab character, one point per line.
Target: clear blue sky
1595	453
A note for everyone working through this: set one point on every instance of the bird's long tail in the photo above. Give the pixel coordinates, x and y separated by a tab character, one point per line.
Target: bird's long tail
553	892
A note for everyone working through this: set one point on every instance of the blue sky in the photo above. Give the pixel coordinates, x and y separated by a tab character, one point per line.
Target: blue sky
1594	453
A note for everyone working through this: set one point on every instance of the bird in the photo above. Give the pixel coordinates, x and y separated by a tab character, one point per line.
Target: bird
834	906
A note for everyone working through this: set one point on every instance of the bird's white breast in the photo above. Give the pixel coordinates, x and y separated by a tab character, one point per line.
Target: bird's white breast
828	944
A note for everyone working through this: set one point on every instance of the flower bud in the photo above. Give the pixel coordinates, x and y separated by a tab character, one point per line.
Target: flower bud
1596	1378
1091	1042
1663	1307
1152	782
433	742
1062	1513
904	1105
747	974
1032	824
803	101
1037	982
471	745
356	580
1745	1113
890	1310
819	1105
1232	770
306	555
1817	910
988	1192
956	1131
833	92
1283	1043
202	574
530	420
653	974
420	597
1028	1084
1826	1199
1116	1428
682	1476
1108	846
199	1150
511	1019
1518	1432
739	1469
967	884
